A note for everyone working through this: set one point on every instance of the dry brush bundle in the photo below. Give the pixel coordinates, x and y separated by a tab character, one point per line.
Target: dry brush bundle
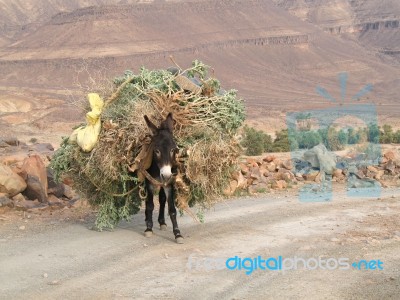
206	120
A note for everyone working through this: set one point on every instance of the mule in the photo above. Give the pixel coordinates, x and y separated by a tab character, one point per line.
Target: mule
163	164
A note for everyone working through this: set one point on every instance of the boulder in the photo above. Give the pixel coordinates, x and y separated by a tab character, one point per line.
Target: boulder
231	188
251	162
255	173
338	173
27	204
355	182
271	167
278	163
54	202
35	190
319	157
269	158
311	176
18	197
279	184
379	174
55	188
241	181
36	180
71	194
284	174
390	155
287	164
390	166
244	169
5	201
10	182
372	169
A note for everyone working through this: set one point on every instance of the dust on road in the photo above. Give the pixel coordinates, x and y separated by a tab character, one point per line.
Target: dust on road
59	257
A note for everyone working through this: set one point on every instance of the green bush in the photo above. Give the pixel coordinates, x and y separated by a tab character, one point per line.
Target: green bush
256	141
281	142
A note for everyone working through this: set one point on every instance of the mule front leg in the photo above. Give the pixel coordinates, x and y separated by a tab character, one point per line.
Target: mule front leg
161	218
169	191
149	211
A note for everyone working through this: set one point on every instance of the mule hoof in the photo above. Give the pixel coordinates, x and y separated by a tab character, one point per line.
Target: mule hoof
179	240
148	233
163	227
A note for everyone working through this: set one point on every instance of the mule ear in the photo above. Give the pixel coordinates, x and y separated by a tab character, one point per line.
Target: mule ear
169	123
150	124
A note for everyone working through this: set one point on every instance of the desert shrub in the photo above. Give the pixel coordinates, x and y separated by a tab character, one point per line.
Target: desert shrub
281	142
256	141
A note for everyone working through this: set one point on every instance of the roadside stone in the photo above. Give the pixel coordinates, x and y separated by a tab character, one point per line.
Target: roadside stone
390	166
70	193
54	202
379	174
18	197
241	182
251	162
244	169
279	184
269	158
389	155
34	166
27	205
311	175
287	164
372	169
5	201
320	157
10	182
35	189
271	167
54	188
255	173
231	188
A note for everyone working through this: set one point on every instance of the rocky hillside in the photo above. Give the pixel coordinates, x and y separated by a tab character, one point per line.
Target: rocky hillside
273	58
375	24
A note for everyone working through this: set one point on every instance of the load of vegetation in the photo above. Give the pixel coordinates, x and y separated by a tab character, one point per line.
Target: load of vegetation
206	121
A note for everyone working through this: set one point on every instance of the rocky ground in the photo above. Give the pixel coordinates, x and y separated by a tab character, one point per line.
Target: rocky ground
48	249
54	254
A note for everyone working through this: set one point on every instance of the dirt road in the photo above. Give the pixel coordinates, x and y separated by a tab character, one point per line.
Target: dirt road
60	258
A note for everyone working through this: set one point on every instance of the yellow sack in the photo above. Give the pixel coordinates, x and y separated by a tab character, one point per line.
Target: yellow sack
86	136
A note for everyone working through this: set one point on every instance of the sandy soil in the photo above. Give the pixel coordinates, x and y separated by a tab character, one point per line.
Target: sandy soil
54	255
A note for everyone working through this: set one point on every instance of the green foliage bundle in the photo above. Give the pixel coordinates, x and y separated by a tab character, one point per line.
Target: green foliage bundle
205	125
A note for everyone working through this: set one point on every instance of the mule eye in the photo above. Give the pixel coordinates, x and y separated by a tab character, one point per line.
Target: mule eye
174	151
157	152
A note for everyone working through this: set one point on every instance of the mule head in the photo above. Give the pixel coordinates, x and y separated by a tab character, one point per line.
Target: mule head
164	146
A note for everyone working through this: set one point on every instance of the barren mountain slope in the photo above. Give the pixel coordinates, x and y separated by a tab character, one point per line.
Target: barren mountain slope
274	59
375	24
